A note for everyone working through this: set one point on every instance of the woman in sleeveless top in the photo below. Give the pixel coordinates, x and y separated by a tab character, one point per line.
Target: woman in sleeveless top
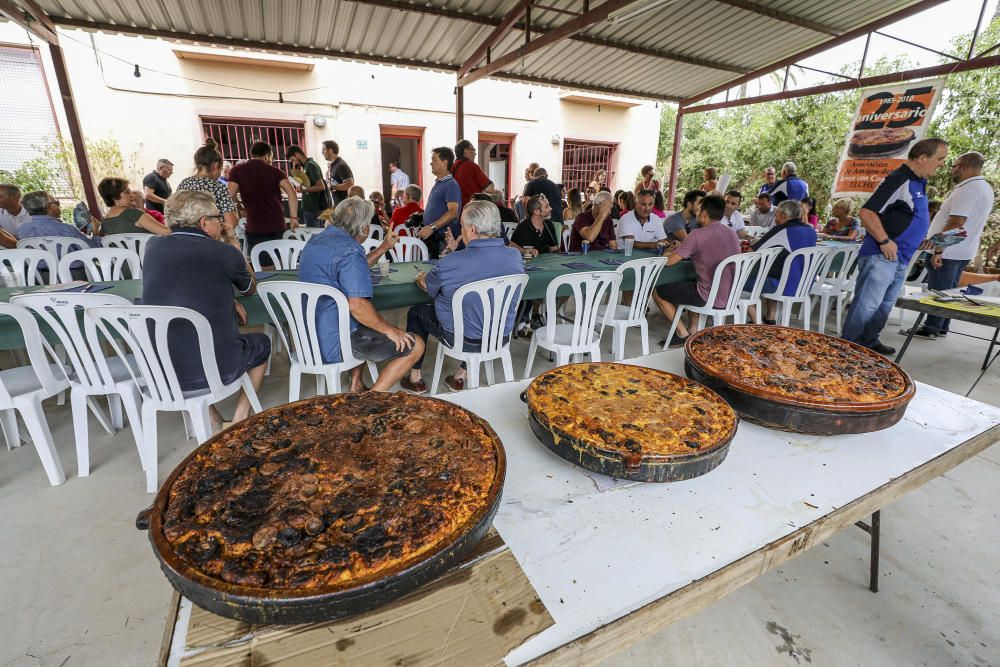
122	217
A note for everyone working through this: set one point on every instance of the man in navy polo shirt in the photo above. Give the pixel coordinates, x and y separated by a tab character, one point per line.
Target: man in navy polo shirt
444	203
896	221
790	186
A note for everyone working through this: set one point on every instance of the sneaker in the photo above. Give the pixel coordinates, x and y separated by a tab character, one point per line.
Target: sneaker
883	349
418	387
942	334
922	332
678	341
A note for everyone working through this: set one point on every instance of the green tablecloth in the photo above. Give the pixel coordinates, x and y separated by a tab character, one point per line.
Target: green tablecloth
397	290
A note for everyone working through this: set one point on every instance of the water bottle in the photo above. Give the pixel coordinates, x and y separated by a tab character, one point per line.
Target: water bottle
585	247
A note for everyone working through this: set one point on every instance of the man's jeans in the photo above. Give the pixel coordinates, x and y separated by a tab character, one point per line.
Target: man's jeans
944	278
878	285
311	219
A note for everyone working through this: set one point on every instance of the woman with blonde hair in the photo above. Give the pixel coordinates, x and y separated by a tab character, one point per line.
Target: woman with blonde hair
711	176
647	182
843	226
575	205
598	181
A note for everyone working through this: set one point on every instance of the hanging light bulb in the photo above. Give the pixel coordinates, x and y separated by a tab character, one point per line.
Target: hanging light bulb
136	73
529	94
281	98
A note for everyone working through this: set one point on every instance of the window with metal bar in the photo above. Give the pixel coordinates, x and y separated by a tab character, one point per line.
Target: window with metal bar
236	135
583	159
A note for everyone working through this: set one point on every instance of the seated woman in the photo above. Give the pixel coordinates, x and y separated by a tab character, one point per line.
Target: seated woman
197	266
842	226
122	216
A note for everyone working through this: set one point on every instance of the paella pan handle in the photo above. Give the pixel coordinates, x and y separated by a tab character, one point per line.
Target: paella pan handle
524	396
142	519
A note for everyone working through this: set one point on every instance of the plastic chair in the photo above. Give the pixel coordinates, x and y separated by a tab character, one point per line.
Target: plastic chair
101	264
409	249
134	242
297	302
583	334
284	254
301	233
89	372
57	245
141	331
567	232
23	388
508	229
837	286
622	318
499	298
751	297
370	244
375	232
240	232
814	261
26	265
741	267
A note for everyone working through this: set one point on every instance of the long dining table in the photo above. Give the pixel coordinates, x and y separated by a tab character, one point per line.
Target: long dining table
397	290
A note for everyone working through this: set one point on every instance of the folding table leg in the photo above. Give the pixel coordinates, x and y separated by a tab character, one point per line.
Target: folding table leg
873	529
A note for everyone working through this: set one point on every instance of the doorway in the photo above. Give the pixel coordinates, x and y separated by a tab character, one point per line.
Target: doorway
496	155
402	146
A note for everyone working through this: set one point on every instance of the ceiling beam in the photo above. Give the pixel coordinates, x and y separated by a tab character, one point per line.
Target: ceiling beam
549	38
31	18
495	36
784	17
604	90
860	31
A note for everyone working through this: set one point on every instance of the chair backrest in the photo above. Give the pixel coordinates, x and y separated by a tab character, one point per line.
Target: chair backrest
409	249
499	298
813	262
740	267
508	229
130	241
142	332
848	268
39	353
767	258
61	312
294	303
370	244
301	233
26	265
590	291
284	254
921	277
646	272
375	232
101	264
57	245
240	232
567	231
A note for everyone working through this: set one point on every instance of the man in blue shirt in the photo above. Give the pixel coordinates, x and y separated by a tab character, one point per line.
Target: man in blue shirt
444	203
790	186
335	257
42	224
896	221
790	233
485	256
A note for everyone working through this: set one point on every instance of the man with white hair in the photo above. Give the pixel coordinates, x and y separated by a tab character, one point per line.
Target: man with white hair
485	256
595	226
12	214
155	187
335	257
790	186
790	233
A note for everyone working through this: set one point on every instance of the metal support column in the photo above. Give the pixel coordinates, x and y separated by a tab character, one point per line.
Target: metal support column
459	113
674	157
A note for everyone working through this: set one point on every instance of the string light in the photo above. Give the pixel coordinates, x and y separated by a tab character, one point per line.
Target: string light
281	98
137	73
529	94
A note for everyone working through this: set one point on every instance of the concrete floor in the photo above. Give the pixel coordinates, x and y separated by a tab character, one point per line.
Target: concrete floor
79	585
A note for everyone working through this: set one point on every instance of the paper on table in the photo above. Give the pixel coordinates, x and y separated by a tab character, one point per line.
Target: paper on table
264	275
610	261
529	269
577	265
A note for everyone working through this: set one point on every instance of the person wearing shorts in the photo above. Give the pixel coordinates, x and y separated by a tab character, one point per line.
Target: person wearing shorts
335	257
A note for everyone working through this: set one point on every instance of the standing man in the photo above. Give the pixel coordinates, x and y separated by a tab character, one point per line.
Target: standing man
444	203
896	221
790	186
471	178
314	197
541	185
338	174
12	214
641	225
968	206
733	218
155	187
520	202
260	185
770	178
763	212
676	225
398	179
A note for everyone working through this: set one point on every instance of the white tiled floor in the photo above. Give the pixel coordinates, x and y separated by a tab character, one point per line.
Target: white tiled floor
80	586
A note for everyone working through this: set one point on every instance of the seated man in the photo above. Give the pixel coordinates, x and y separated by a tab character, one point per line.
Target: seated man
706	246
641	225
790	233
197	266
485	256
411	205
335	257
536	231
677	225
595	225
763	212
733	218
43	223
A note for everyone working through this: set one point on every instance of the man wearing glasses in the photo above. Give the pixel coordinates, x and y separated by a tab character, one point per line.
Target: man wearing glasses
44	211
770	180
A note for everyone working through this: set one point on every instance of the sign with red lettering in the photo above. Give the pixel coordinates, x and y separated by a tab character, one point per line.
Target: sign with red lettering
888	121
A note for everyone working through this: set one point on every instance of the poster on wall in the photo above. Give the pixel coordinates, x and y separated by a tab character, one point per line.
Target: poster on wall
888	121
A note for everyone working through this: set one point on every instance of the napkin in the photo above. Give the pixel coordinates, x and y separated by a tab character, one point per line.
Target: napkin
612	262
577	265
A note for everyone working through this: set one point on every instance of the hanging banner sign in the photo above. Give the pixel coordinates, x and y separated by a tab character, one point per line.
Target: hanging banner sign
888	121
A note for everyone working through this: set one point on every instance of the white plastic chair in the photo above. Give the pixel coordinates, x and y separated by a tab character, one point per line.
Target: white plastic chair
837	286
101	264
567	232
302	233
296	302
370	244
130	241
409	249
375	232
25	264
752	296
141	331
621	318
89	372
241	234
583	334
741	267
23	388
508	229
57	245
499	298
814	261
284	254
